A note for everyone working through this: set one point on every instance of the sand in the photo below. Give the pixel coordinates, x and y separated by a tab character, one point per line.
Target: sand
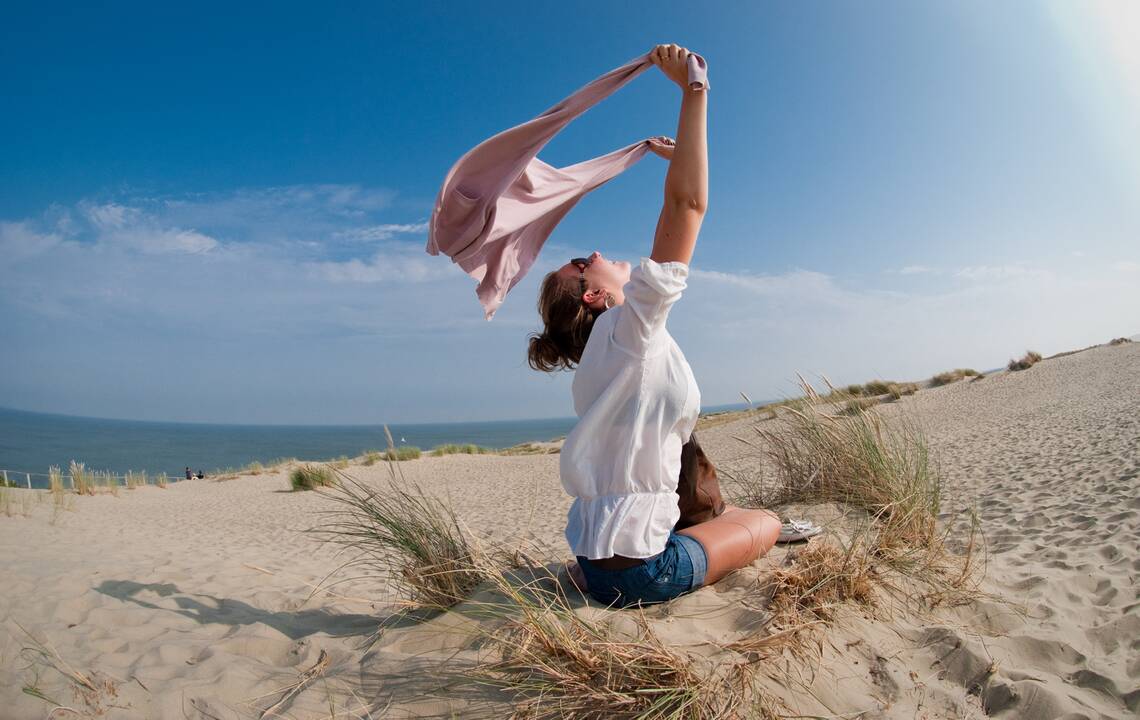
196	601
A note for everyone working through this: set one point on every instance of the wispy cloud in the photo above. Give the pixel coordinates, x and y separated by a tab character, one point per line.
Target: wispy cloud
381	232
998	272
184	303
914	270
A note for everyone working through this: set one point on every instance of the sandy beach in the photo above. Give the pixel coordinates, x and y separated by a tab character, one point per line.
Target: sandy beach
199	600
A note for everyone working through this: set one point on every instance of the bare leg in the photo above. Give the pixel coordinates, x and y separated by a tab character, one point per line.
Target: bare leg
734	539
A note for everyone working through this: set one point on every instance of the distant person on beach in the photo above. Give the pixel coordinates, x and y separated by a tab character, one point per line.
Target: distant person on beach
189	475
200	475
648	522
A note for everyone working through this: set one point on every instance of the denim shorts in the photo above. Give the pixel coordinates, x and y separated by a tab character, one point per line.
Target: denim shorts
678	569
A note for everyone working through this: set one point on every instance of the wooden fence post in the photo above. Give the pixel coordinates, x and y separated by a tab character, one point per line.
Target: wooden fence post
29	480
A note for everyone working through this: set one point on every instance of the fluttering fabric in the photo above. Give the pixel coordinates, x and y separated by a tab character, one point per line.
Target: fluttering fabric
499	202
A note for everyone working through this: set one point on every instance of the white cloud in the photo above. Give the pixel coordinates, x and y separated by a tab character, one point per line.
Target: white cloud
381	232
796	282
335	320
998	272
18	241
914	270
110	216
740	339
395	266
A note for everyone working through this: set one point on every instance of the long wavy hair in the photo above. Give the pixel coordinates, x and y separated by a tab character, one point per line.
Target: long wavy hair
567	323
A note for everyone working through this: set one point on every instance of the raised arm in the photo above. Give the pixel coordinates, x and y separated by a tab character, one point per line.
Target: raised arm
687	182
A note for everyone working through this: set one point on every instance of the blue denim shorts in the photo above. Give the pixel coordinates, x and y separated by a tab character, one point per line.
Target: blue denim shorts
678	569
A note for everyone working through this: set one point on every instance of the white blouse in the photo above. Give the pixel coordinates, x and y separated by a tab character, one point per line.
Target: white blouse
637	403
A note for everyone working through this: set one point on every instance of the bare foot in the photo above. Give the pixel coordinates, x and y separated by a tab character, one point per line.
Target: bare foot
577	578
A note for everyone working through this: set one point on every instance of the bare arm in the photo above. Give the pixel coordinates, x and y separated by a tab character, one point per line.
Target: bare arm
686	183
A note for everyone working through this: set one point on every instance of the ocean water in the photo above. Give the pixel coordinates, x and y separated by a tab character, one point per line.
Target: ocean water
32	442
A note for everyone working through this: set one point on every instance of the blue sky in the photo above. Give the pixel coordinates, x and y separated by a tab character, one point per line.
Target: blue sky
217	212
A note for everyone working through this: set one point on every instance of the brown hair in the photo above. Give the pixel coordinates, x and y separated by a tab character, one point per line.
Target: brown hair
567	321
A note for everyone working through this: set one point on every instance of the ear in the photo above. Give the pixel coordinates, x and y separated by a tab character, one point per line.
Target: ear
595	295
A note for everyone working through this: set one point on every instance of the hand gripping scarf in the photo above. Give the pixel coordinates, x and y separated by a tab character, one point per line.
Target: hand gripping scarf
499	202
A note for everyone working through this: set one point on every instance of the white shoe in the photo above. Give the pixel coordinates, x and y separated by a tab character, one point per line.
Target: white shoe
796	530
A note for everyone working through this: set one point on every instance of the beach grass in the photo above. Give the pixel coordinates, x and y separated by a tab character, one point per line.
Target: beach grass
161	480
820	577
60	498
371	457
401	533
454	449
529	449
108	482
82	479
1028	360
93	693
404	452
898	390
877	387
311	477
883	470
555	662
945	378
854	406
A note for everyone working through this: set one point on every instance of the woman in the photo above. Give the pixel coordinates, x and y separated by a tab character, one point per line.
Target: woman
637	400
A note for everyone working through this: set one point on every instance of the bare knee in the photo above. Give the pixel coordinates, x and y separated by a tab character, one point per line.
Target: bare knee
735	539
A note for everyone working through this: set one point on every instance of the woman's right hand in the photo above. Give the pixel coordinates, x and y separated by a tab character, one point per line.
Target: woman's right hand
673	61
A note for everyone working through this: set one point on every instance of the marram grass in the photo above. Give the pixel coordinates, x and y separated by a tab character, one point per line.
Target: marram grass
882	469
401	533
311	477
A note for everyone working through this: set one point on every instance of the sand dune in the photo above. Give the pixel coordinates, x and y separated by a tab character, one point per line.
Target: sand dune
196	600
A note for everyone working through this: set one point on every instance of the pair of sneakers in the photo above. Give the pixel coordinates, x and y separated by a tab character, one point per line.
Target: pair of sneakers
797	530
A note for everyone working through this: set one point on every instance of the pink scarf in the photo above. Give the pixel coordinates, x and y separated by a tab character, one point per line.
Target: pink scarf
499	202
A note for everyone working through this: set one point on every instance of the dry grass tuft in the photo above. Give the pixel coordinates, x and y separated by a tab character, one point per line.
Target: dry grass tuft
1027	361
404	452
108	481
400	532
82	479
886	472
950	376
529	449
819	578
161	480
453	449
311	477
854	406
897	390
1119	341
304	679
557	663
877	387
94	690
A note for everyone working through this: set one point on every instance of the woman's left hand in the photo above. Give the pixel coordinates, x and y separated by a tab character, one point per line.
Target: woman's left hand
662	146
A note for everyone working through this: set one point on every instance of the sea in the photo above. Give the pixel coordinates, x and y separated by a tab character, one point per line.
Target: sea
31	442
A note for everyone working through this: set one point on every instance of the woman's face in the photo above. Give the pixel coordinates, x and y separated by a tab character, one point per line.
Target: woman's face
602	273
